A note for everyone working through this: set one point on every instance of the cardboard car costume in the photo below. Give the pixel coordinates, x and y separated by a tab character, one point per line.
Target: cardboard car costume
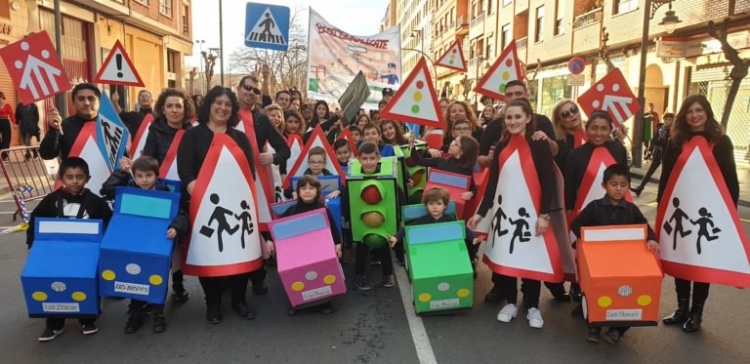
620	278
59	278
138	268
306	258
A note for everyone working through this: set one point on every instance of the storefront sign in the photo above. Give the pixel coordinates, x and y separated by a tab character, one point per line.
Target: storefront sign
678	48
5	30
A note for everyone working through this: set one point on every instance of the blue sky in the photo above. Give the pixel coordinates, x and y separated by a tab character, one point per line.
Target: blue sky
358	17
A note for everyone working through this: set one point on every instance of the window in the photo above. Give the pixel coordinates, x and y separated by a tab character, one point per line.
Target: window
185	19
165	7
507	2
5	9
624	6
539	31
488	52
172	60
490	9
505	36
142	2
559	17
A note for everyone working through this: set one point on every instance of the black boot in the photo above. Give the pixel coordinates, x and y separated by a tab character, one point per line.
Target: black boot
179	293
135	320
693	323
680	315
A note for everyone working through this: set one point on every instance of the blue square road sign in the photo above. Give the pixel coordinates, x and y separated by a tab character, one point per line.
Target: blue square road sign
267	26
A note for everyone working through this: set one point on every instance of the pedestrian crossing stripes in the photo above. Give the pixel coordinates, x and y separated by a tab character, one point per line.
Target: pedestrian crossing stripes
266	38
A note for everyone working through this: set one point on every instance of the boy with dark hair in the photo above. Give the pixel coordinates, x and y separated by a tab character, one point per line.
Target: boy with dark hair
612	209
436	201
145	174
369	158
343	151
74	201
317	159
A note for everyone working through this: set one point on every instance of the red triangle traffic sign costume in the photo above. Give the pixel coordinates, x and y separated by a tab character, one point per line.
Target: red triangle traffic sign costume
317	139
416	100
505	69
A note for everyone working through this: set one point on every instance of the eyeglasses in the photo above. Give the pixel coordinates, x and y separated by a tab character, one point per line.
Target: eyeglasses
568	113
254	90
462	129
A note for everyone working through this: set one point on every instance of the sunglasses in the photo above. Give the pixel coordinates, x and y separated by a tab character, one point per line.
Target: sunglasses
252	89
568	113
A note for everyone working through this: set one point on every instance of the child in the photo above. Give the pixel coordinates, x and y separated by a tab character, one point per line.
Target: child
317	159
73	201
371	134
463	152
356	134
343	151
369	158
436	201
145	171
309	198
612	209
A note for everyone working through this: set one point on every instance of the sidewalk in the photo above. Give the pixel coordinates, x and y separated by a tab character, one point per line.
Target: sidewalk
743	174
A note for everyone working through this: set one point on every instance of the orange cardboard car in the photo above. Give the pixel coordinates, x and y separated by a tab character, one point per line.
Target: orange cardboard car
620	278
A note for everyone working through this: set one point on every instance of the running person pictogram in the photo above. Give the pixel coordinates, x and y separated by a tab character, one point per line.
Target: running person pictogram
220	215
677	216
522	228
704	221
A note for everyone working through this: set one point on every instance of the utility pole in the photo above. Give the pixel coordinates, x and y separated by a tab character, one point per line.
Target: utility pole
60	102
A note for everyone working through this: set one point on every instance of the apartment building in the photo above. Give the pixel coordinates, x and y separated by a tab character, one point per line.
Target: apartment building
414	17
389	18
157	35
549	32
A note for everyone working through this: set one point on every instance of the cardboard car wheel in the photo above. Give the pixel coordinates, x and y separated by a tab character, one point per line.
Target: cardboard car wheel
584	307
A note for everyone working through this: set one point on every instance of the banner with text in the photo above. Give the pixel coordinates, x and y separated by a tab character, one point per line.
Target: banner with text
338	57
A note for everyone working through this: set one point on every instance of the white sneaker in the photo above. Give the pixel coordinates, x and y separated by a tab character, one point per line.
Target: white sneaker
535	318
507	313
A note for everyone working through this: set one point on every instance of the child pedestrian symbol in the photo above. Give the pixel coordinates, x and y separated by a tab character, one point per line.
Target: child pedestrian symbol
498	218
678	215
703	222
220	215
246	220
522	228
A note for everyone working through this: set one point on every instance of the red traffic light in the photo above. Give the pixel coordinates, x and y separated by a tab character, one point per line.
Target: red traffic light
371	195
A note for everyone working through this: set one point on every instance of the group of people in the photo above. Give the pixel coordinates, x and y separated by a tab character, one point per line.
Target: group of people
468	142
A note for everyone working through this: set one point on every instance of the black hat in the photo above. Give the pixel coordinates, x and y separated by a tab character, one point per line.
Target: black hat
387	91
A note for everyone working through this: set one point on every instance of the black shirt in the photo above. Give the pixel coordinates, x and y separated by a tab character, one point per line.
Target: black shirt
724	155
578	161
543	163
265	132
133	120
602	212
54	144
159	140
61	203
494	131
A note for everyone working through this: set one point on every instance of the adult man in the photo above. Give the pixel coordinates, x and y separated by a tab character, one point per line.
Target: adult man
283	99
133	119
494	130
387	96
249	95
490	136
86	104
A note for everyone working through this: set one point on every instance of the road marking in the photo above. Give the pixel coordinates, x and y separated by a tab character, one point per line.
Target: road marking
416	326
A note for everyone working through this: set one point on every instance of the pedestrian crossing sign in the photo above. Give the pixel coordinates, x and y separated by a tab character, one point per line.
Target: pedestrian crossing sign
267	26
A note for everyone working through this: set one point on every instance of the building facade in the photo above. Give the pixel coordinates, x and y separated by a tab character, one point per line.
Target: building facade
414	16
156	34
548	33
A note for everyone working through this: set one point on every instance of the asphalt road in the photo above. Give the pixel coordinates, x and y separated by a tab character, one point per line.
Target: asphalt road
367	327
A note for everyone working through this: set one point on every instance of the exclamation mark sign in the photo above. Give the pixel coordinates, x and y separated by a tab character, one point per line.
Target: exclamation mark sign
118	61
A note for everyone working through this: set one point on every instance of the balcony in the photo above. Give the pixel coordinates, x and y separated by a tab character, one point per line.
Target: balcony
521	48
592	17
462	27
587	31
476	28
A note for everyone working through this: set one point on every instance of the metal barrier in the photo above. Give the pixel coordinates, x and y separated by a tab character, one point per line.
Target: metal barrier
29	176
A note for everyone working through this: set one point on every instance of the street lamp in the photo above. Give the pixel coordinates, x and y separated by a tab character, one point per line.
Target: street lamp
669	22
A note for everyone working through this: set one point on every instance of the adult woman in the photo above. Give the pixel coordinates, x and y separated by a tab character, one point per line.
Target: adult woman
294	105
600	143
363	120
218	114
276	115
197	101
173	112
519	121
696	119
6	116
569	131
488	114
